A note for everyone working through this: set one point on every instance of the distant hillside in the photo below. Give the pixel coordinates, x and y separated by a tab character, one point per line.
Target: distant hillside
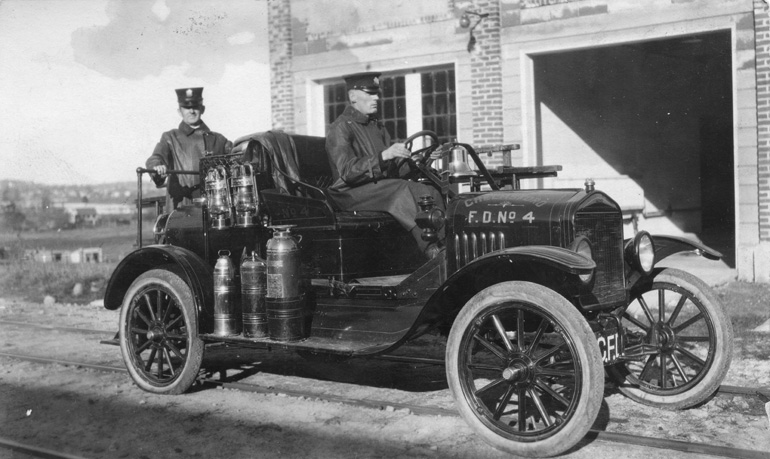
28	194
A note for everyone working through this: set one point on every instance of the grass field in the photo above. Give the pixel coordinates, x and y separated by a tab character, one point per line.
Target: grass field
115	242
32	281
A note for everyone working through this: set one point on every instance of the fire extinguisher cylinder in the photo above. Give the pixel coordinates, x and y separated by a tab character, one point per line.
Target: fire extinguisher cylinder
285	301
253	292
227	311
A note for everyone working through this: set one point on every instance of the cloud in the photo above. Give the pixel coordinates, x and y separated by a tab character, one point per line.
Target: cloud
161	9
69	122
143	37
241	38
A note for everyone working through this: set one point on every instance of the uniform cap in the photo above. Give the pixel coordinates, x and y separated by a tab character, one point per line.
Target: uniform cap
367	81
189	97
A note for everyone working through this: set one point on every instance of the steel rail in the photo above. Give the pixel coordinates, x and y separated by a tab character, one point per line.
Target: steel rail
86	331
35	450
725	389
761	392
614	437
92	366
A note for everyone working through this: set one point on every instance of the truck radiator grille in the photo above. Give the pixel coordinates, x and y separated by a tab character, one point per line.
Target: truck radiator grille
470	245
605	231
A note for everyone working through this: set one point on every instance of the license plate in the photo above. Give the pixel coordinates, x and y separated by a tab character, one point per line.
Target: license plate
610	345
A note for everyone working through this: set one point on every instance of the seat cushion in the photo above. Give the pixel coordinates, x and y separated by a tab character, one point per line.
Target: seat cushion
355	219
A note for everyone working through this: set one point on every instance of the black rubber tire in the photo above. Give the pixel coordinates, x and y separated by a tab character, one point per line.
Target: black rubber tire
683	381
159	333
557	371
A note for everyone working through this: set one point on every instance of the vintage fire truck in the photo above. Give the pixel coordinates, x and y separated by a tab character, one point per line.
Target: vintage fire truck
536	290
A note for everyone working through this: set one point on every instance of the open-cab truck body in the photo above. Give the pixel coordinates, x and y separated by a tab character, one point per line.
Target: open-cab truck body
536	290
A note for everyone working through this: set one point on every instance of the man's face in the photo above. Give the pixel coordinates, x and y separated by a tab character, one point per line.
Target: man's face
363	101
191	115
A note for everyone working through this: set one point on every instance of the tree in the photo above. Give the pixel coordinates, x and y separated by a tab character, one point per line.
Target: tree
13	219
11	193
47	218
45	201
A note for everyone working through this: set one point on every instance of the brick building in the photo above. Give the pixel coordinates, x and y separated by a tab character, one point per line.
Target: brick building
664	103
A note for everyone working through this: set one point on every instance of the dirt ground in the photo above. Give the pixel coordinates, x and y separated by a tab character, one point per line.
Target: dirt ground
104	415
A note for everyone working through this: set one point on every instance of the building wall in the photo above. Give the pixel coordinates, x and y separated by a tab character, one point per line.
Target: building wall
496	97
281	88
486	76
761	253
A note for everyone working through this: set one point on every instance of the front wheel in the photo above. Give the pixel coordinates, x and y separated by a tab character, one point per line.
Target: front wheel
678	342
159	333
525	369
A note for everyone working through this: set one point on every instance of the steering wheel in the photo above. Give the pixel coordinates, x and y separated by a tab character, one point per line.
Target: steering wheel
420	160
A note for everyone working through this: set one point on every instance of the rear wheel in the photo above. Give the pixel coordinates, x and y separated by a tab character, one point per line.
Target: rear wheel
682	339
525	369
159	333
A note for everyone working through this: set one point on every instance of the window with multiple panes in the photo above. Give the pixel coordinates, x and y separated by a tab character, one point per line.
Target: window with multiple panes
439	113
393	107
335	100
437	99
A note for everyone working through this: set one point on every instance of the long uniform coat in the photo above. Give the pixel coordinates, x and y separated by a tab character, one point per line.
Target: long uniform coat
362	180
182	149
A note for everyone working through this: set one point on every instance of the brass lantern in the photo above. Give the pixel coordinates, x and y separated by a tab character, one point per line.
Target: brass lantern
218	198
242	183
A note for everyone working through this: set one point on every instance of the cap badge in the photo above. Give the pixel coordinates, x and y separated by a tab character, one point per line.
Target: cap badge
189	93
377	80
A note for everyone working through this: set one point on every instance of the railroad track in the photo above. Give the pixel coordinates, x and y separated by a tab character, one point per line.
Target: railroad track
762	393
623	438
35	451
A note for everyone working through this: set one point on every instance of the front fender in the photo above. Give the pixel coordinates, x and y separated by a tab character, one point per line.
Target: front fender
666	246
532	263
185	263
555	257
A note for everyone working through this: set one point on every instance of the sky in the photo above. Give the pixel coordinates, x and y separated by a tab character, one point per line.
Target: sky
87	86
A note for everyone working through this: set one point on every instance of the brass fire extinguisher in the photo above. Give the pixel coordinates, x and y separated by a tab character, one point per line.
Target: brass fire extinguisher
253	291
285	300
227	313
283	264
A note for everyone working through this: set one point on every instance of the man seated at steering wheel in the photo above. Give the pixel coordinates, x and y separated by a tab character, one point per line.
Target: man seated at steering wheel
367	169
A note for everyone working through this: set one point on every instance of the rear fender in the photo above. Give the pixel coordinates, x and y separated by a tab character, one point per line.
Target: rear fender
185	263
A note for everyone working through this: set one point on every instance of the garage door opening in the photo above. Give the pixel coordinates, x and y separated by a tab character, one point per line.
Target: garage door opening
651	122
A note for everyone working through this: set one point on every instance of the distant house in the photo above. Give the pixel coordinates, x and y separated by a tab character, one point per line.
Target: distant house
81	255
86	216
78	210
86	255
41	255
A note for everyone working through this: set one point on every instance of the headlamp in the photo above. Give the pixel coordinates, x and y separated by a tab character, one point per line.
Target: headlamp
641	252
583	246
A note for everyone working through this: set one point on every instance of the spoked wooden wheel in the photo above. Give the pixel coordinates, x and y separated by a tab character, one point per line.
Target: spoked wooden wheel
525	369
678	341
158	333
